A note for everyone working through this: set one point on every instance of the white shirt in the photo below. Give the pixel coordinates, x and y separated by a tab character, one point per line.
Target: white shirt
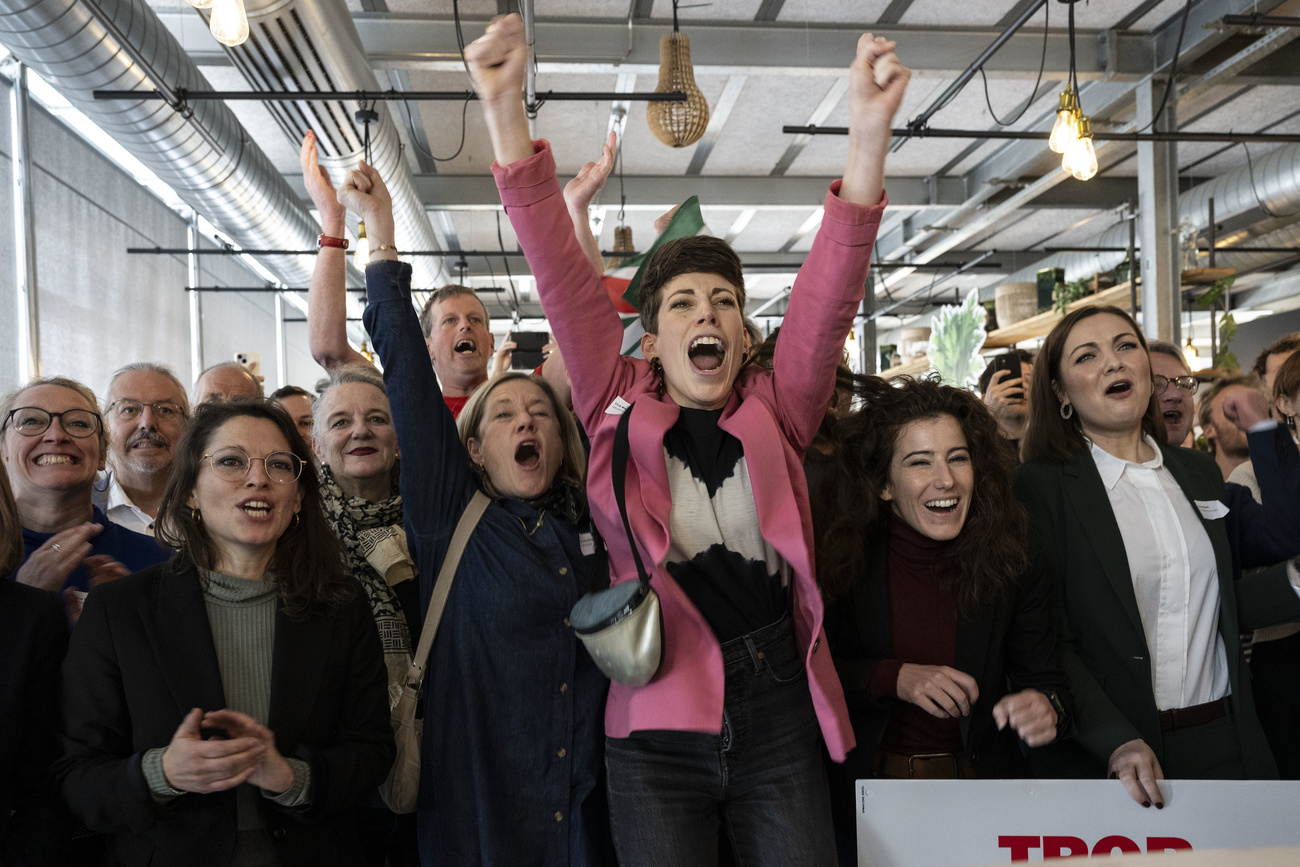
1175	578
120	510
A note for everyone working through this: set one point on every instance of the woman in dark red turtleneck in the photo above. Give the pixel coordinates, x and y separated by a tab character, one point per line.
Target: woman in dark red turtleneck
937	617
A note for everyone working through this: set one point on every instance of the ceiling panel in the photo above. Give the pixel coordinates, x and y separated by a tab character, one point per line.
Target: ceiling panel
946	13
752	142
477	230
1041	225
710	10
860	12
769	230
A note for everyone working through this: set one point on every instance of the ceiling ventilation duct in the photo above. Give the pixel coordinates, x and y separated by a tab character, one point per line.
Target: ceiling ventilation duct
1274	189
295	45
205	156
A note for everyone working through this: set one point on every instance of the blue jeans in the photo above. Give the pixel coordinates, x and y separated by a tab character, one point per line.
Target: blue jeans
761	780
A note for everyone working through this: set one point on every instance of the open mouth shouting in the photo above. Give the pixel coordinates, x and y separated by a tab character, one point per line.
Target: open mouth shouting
707	353
466	346
1173	418
528	455
1120	388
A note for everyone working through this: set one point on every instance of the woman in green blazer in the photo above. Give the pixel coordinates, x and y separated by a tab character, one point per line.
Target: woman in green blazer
1142	549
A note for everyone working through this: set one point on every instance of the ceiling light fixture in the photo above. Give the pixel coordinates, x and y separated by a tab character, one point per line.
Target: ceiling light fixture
1065	130
228	22
1072	134
677	124
1080	160
365	116
200	4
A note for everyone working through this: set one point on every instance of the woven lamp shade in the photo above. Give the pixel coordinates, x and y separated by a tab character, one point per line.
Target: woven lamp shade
622	244
677	124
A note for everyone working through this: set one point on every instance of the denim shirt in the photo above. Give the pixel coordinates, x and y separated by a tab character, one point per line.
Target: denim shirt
512	770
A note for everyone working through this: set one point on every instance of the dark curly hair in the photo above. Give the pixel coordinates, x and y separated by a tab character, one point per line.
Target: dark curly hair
989	554
308	563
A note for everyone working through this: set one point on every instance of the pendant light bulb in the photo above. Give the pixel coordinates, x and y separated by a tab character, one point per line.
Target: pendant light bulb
677	124
1190	354
1064	131
1081	158
200	4
362	256
228	22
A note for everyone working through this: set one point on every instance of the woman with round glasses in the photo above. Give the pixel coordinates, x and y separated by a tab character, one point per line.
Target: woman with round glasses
52	443
227	707
1144	551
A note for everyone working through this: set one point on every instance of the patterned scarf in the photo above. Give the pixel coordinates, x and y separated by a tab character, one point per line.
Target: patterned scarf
372	534
564	499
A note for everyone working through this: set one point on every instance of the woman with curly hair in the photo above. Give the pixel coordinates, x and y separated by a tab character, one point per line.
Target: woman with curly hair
938	619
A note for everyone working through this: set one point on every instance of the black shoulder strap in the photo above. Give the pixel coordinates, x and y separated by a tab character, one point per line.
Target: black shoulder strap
619	468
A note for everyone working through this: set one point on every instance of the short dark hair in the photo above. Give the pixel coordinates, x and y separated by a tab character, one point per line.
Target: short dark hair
694	254
308	563
989	554
291	391
1205	405
442	293
1289	343
1055	440
1287	381
1026	357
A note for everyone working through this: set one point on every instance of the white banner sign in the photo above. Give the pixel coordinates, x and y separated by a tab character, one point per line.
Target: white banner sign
967	823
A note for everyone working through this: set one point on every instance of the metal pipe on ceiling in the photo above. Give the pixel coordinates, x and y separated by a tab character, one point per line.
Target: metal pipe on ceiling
1027	135
221	173
182	97
313	45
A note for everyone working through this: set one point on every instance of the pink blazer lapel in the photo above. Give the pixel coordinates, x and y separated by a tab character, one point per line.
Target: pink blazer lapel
649	474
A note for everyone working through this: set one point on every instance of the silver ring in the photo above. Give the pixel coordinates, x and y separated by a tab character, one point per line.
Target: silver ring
56	547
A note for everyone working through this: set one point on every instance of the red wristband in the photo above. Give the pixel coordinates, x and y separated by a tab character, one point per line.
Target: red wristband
326	241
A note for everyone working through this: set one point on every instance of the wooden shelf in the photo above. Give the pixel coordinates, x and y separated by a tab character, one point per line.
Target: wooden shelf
915	367
1205	276
1038	326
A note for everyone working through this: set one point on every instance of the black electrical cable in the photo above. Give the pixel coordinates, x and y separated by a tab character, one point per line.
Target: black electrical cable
1033	94
510	277
1173	71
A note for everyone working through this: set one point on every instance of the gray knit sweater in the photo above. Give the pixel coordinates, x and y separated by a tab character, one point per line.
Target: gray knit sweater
241	613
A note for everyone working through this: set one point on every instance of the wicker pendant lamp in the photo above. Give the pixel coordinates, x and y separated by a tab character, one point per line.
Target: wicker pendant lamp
622	244
677	124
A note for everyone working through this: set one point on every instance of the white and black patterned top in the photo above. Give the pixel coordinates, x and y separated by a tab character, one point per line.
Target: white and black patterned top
717	553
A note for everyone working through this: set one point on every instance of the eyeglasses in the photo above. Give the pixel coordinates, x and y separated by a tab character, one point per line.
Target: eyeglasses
130	410
1188	384
234	464
32	421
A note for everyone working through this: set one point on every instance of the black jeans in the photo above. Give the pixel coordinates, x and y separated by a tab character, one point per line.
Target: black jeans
761	779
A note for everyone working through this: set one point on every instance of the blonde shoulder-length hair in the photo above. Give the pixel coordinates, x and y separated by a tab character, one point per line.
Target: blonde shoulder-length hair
573	468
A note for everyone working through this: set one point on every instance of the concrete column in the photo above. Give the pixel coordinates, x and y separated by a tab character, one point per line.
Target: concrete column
281	377
1158	218
27	320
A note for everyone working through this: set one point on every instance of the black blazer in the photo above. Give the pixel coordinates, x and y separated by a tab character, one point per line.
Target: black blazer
33	638
142	656
1011	645
1104	647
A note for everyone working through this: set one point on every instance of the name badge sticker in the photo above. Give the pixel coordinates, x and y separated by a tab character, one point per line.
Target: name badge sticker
1211	509
588	544
618	407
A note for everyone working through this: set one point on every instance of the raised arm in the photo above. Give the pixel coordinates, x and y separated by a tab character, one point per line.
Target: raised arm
497	62
436	480
877	82
327	311
578	195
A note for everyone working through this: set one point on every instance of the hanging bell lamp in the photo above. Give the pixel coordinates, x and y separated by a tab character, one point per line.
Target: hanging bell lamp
677	124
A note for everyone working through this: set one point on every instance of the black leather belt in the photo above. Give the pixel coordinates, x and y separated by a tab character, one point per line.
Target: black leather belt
1196	715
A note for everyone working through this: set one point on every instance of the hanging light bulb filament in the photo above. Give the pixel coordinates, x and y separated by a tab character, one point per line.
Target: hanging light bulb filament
228	22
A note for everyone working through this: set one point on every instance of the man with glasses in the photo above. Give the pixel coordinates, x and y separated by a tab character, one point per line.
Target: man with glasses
1175	387
145	409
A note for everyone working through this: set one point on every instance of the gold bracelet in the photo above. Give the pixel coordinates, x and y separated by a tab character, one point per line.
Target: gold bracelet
383	247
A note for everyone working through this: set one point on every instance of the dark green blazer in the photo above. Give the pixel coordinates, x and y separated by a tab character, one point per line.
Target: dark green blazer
1103	646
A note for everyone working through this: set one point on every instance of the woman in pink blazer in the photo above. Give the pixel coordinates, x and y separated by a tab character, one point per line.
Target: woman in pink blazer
726	734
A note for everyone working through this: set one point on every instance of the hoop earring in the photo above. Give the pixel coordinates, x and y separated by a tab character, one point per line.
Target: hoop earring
196	516
1067	411
297	519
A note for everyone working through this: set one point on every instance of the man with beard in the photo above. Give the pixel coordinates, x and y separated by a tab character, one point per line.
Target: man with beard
144	411
1176	404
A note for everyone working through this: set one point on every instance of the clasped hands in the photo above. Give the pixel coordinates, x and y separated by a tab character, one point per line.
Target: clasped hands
244	753
947	693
